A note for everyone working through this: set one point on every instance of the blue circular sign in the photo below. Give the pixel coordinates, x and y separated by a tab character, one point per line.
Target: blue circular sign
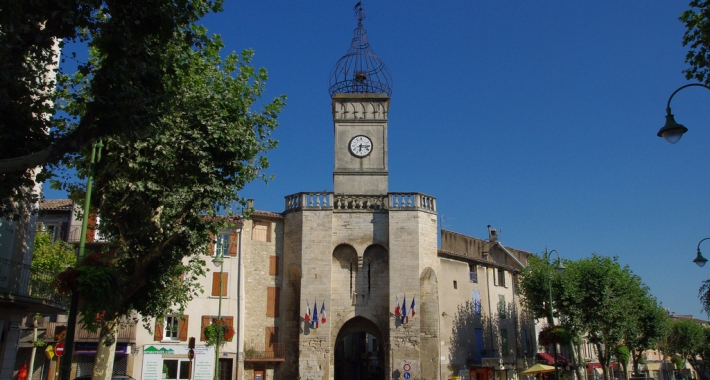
407	375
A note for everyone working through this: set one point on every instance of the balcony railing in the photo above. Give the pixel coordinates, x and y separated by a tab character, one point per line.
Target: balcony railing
19	279
356	202
126	332
274	353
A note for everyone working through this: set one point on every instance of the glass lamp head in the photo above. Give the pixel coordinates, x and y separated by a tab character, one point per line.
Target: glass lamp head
700	260
560	266
672	131
218	260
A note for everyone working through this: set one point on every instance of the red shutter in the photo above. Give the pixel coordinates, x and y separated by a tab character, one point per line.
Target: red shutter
182	327
158	334
91	228
233	243
205	322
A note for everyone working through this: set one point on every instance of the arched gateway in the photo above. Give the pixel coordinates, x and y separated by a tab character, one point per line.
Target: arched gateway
359	351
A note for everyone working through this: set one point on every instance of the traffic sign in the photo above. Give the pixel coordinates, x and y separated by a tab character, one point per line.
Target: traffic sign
407	367
59	350
407	375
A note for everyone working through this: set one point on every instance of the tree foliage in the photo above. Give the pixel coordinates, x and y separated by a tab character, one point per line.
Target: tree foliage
51	256
124	85
685	339
697	37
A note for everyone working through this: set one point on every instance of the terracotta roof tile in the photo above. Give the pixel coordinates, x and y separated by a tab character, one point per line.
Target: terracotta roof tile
56	204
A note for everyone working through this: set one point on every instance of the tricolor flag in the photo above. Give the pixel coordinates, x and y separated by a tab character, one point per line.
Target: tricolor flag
412	307
396	309
308	312
405	318
314	323
322	313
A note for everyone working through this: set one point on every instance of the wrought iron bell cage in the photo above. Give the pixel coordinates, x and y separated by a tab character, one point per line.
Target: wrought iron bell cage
360	70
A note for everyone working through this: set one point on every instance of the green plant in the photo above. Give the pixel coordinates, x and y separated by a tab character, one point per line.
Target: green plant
251	352
165	368
218	331
39	343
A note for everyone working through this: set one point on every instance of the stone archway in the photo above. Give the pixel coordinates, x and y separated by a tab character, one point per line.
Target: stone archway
359	352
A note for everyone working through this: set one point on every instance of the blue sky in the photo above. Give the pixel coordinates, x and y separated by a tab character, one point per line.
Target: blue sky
538	118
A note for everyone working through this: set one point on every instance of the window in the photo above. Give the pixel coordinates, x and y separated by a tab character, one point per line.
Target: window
501	277
504	342
524	334
210	319
272	301
223	245
215	284
261	230
172	327
501	307
472	274
273	265
476	302
455	285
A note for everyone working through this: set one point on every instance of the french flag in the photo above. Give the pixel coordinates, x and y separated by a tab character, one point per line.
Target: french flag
315	315
308	313
396	309
322	313
412	307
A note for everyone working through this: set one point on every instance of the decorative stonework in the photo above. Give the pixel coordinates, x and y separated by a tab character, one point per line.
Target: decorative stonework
368	203
361	109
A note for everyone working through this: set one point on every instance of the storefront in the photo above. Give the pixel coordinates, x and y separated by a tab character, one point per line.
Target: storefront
171	362
86	355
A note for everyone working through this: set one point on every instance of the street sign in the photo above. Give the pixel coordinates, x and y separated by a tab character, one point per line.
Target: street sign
407	375
59	350
407	367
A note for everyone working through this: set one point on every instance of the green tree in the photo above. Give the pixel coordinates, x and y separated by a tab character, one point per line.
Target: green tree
649	330
697	38
687	340
124	85
51	255
160	192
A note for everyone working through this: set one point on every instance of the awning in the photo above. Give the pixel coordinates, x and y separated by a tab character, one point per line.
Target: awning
561	360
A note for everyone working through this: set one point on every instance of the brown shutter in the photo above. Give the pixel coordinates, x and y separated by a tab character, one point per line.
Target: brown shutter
158	334
273	296
230	322
215	284
233	243
205	322
91	228
182	327
272	337
274	265
210	246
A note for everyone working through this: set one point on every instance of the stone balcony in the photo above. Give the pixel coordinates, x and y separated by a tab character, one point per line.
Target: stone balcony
314	201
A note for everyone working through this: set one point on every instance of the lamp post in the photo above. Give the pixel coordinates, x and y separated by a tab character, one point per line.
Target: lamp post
559	267
673	131
218	261
699	259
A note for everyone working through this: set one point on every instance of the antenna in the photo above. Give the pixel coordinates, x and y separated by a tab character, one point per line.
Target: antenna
442	220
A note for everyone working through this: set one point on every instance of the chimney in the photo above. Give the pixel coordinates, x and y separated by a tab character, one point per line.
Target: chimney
492	234
250	203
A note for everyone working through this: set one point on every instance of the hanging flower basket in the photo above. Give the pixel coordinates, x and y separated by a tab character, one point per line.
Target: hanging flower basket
553	335
218	331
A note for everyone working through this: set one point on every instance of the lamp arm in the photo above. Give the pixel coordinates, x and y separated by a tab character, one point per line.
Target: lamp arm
668	106
701	242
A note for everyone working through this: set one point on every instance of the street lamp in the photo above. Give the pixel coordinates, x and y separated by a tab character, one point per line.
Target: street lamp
559	267
699	259
673	131
218	262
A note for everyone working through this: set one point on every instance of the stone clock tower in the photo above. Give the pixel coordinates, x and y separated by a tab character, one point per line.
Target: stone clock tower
360	250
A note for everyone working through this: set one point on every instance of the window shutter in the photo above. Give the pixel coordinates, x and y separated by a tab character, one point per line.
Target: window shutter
91	228
260	231
233	243
272	301
215	284
274	265
210	246
205	322
158	334
230	322
182	327
495	276
272	337
505	279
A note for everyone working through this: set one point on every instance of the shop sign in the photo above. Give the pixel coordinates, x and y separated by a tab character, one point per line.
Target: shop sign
153	356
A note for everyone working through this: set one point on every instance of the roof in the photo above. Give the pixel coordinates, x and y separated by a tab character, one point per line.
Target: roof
260	214
464	257
56	204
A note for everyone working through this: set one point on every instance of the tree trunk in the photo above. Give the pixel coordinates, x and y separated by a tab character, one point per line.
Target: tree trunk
635	362
700	368
603	360
106	349
576	359
625	369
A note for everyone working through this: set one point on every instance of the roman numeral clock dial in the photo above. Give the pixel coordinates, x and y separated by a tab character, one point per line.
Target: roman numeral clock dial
360	146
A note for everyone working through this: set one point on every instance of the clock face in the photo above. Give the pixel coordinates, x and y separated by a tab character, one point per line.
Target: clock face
360	146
